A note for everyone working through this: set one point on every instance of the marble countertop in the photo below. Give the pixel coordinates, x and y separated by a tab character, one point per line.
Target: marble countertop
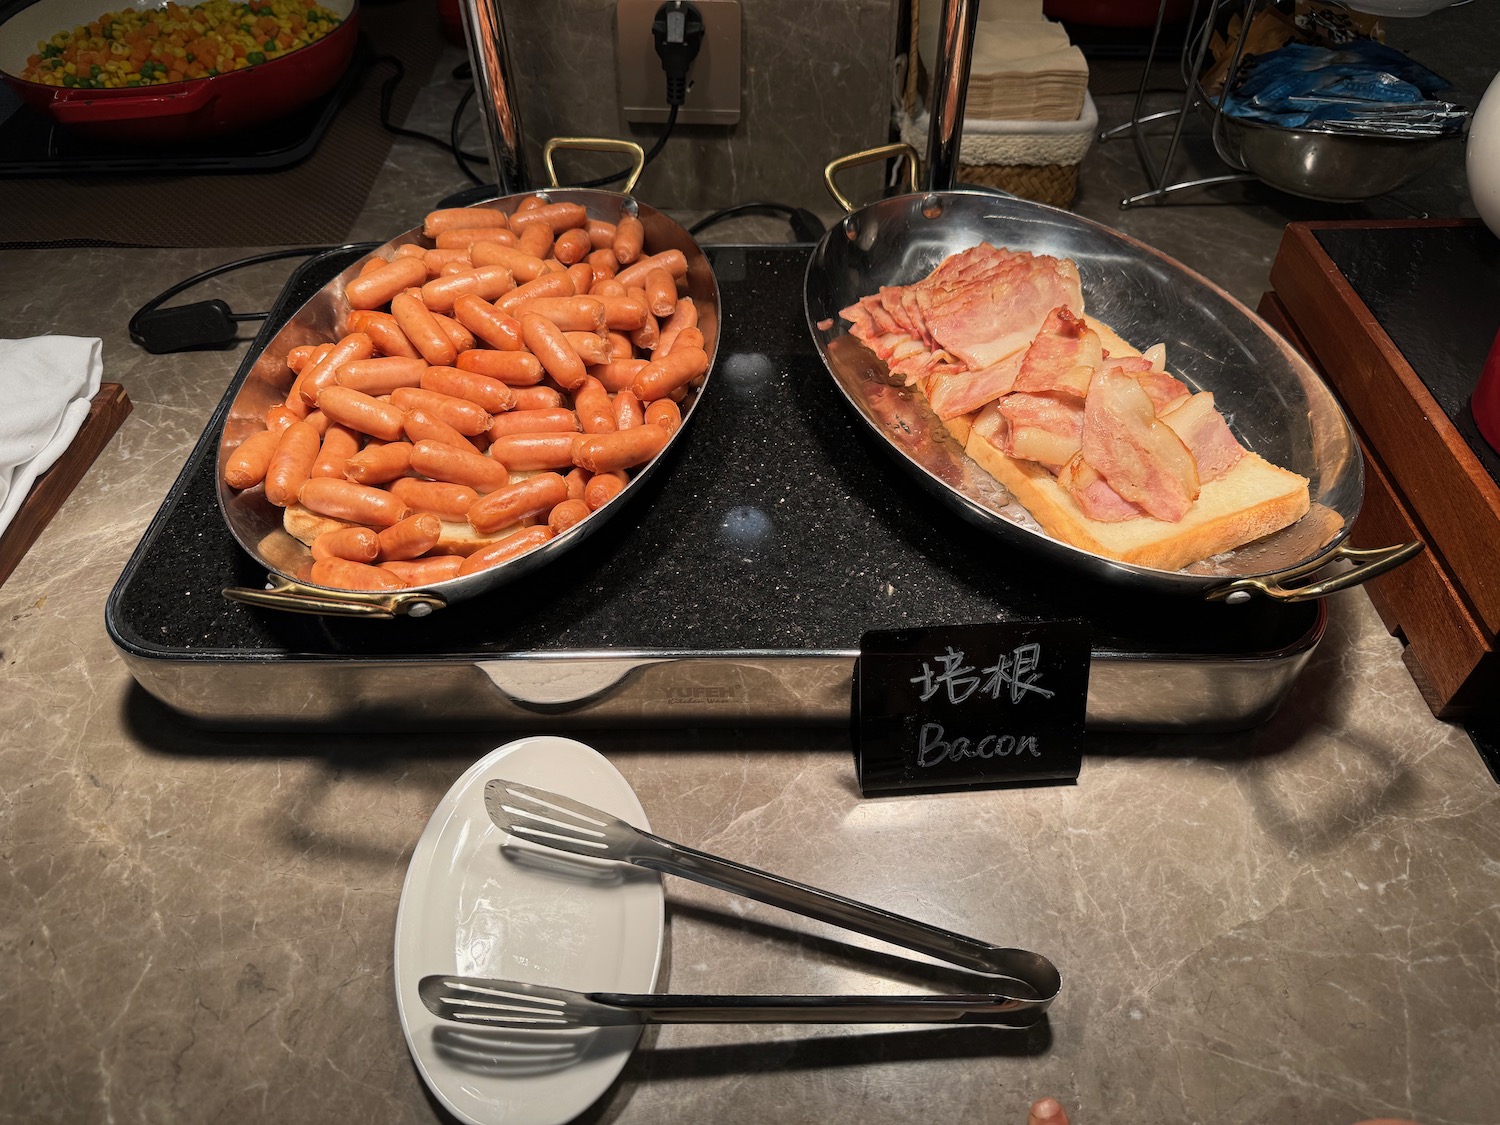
1298	922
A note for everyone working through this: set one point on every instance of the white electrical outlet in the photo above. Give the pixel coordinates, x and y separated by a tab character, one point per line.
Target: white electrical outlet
713	96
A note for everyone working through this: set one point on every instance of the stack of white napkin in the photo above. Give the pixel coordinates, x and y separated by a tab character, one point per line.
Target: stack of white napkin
1023	69
46	383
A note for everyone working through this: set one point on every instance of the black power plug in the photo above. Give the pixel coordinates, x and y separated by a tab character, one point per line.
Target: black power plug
203	324
678	32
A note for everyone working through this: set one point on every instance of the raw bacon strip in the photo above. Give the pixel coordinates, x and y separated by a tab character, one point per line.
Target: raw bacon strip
1206	434
1141	458
1063	357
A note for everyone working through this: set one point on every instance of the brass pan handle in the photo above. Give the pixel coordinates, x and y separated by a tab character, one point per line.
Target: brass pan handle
1369	562
295	597
869	156
597	144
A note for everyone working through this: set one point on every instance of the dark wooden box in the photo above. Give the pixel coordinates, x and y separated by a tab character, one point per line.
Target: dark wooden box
1398	317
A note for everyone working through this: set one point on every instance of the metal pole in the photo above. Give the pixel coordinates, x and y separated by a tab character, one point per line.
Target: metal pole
484	28
950	87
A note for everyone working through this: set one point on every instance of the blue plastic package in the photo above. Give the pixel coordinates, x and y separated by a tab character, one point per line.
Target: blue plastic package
1361	87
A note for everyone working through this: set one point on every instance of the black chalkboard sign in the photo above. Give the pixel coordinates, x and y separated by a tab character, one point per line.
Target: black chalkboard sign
970	706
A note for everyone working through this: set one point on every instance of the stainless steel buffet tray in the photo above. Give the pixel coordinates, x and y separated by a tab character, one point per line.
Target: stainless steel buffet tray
734	589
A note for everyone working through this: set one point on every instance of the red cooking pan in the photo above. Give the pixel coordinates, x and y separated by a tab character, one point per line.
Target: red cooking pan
173	111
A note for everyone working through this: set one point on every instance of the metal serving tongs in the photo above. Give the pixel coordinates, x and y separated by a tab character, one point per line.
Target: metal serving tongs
1024	984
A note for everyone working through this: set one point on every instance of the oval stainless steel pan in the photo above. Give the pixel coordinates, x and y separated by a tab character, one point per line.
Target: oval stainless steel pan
257	524
1278	405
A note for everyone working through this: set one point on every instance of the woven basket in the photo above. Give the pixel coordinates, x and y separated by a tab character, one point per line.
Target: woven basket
1054	184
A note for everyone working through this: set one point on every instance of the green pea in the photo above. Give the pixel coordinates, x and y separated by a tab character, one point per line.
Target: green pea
255	57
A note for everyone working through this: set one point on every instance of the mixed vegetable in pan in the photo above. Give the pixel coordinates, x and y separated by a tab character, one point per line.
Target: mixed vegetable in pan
174	43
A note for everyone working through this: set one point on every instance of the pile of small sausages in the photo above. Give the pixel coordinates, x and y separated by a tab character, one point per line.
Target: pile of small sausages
509	376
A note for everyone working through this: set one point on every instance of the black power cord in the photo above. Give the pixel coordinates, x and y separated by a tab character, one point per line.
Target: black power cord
451	145
806	226
677	30
204	324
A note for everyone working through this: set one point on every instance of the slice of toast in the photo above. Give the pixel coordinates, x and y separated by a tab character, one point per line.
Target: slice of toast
1252	499
305	525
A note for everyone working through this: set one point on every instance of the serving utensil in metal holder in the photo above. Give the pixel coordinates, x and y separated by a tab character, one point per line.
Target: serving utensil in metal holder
1018	985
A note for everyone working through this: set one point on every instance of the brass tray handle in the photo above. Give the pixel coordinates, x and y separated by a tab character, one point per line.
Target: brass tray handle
1369	562
597	144
295	597
869	156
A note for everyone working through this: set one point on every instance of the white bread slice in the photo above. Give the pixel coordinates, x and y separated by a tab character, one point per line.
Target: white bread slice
306	525
1252	499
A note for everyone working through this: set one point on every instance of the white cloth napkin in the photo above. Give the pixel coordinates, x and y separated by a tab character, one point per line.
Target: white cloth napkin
46	383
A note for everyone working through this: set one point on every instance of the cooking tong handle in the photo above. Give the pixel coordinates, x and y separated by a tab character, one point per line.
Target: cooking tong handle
1031	970
869	156
507	1004
1369	562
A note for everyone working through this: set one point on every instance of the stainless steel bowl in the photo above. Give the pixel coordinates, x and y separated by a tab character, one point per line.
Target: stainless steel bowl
1334	167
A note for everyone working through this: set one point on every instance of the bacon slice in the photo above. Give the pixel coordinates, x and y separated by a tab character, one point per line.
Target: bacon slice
1092	493
1141	458
963	391
1164	390
1047	429
1206	434
984	303
961	332
1062	358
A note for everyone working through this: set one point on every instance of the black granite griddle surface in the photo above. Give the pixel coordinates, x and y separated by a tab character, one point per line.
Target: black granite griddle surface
779	524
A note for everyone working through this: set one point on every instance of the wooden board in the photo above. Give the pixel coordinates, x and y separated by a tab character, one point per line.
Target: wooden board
1422	481
1455	498
108	409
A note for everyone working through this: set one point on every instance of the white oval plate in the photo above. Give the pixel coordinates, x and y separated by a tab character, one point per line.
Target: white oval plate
475	904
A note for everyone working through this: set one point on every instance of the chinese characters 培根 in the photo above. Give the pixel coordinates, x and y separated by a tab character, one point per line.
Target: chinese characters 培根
1016	671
